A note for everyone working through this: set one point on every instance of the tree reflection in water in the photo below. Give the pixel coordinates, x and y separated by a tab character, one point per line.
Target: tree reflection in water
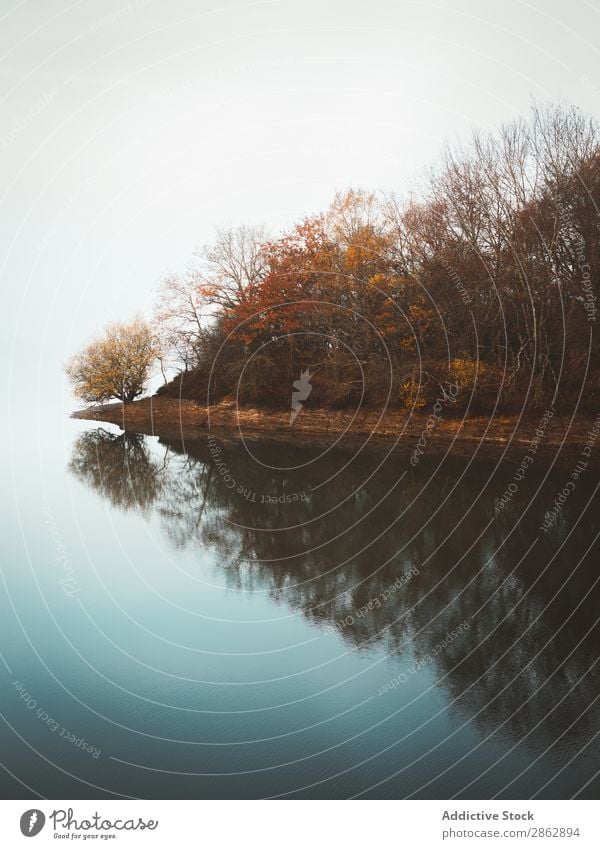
328	542
118	467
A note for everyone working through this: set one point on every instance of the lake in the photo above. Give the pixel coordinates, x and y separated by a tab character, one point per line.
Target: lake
206	618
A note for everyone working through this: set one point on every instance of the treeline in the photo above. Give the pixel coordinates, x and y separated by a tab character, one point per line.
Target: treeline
489	281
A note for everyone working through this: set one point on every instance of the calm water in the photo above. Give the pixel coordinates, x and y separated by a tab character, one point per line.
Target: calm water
213	620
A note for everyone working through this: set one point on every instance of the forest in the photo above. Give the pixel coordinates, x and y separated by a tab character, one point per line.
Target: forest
485	280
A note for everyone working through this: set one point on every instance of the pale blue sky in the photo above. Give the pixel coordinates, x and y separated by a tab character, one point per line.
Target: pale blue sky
130	128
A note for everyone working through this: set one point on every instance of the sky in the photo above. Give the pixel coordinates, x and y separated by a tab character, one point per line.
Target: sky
130	129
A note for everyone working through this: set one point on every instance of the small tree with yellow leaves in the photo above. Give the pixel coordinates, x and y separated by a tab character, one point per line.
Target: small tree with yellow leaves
115	365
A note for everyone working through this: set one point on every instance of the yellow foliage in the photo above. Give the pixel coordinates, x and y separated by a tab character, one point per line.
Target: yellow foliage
465	372
409	392
116	365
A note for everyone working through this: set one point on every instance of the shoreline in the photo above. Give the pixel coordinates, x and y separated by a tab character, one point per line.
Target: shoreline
171	418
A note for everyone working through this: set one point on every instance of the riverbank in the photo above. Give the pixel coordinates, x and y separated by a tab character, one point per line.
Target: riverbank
173	418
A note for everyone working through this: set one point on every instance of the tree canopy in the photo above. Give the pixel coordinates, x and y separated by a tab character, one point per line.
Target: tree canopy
116	364
490	279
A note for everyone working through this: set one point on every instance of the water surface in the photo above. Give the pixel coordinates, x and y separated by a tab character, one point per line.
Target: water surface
213	619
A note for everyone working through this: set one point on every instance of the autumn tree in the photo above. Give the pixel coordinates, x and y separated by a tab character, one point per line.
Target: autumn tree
325	303
116	364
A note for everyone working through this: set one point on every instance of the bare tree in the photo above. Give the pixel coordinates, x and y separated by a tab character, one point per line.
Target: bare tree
188	304
180	317
234	261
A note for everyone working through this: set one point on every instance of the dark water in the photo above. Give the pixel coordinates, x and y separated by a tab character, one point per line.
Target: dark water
218	620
